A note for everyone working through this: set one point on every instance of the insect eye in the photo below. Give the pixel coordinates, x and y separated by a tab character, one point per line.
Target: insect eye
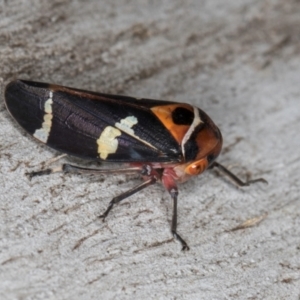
197	167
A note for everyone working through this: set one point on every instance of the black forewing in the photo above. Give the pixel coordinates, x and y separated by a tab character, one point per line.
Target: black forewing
79	118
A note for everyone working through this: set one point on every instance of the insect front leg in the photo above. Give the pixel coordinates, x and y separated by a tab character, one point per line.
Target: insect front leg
174	195
233	177
170	185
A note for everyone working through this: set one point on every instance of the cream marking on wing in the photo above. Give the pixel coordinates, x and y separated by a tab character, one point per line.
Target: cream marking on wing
107	142
188	134
126	125
42	134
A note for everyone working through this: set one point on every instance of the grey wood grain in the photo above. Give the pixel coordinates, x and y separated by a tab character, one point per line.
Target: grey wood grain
237	60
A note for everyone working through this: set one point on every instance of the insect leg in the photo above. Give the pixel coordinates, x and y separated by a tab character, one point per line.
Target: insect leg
238	181
68	168
44	172
174	193
54	159
126	194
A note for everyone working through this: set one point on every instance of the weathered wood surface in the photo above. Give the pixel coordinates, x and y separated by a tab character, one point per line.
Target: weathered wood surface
237	60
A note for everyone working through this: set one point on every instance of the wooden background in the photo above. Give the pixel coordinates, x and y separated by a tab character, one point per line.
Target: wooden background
237	60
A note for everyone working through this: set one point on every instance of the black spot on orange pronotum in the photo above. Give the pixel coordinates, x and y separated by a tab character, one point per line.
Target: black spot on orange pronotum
182	116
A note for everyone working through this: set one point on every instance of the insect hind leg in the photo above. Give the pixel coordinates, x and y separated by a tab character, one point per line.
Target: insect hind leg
69	168
47	171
